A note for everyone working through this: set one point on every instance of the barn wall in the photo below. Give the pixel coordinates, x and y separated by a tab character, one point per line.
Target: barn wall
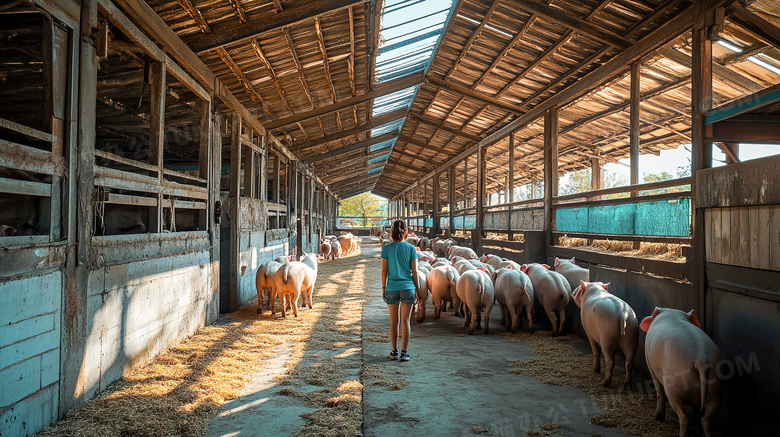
137	309
31	311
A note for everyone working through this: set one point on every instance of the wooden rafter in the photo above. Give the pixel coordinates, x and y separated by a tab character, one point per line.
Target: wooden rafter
376	122
352	147
239	10
351	59
326	67
196	15
759	27
451	129
223	54
271	73
471	40
231	32
278	6
298	67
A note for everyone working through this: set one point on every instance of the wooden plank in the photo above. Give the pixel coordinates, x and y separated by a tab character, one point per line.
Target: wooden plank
711	232
27	131
735	256
753	242
754	182
764	236
380	90
743	105
352	147
641	265
634	114
725	233
744	237
15	186
230	32
375	122
126	199
126	161
749	128
475	95
20	157
759	27
179	174
716	251
774	243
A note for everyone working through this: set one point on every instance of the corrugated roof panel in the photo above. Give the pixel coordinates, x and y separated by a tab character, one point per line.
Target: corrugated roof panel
382	145
378	159
374	170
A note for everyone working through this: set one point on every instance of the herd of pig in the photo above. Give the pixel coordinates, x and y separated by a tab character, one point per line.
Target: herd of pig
680	356
290	279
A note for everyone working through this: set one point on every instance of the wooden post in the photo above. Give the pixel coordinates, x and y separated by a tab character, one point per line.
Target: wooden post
299	197
466	182
425	208
550	170
511	187
157	138
54	209
277	178
250	169
310	216
264	170
634	124
476	234
235	212
451	195
72	383
701	101
436	229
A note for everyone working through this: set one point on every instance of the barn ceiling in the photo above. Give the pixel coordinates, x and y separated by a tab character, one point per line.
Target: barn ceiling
375	103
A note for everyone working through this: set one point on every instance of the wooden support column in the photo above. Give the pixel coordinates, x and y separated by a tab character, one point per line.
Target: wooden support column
235	215
466	182
214	153
310	220
426	229
476	234
436	229
73	360
299	197
701	101
277	178
734	148
550	170
511	188
451	194
263	185
250	170
634	124
157	138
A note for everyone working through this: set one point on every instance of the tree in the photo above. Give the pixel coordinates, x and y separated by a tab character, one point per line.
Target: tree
576	182
363	205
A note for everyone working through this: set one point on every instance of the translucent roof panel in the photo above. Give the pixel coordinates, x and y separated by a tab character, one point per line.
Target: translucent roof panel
374	170
410	33
378	159
382	145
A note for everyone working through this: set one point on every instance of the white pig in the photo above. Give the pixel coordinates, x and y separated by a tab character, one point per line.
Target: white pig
476	290
551	290
442	282
421	291
681	359
310	260
493	260
264	280
465	252
611	326
571	271
514	293
291	280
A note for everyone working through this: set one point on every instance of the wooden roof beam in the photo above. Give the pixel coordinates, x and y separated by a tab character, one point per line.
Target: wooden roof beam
759	27
196	15
352	147
453	130
472	38
571	22
480	97
414	142
375	123
380	90
239	10
229	32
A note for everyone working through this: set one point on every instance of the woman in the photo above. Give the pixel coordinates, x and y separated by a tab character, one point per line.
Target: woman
399	279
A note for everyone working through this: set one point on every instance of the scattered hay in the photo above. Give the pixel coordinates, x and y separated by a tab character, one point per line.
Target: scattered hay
549	426
184	387
564	361
380	376
479	430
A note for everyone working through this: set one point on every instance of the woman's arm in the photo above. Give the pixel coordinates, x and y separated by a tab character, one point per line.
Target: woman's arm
414	274
384	275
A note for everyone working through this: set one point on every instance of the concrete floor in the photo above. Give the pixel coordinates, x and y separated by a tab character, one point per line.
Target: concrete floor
455	384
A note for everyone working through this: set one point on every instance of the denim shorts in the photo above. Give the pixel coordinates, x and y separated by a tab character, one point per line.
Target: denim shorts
405	296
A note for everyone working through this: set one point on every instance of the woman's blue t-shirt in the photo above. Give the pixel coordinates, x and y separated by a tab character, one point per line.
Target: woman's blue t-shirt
399	258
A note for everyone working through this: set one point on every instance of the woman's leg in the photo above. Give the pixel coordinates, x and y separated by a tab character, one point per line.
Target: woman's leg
406	312
393	309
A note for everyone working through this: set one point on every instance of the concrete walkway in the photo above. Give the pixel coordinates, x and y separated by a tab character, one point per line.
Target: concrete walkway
455	384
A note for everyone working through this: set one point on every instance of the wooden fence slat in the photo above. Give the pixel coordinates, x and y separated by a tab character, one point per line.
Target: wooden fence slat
15	186
764	235
26	130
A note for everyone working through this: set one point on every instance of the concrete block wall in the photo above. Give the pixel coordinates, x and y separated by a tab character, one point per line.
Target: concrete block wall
256	248
138	309
30	311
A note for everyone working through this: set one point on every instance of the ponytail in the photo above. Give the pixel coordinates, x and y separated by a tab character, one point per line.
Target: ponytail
398	232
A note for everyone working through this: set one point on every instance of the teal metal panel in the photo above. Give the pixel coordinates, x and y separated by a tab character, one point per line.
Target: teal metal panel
457	222
665	218
444	222
470	221
429	223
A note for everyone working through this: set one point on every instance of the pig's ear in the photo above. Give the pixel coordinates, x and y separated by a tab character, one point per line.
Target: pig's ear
693	319
645	325
546	266
577	290
482	268
606	286
572	260
557	262
583	284
524	268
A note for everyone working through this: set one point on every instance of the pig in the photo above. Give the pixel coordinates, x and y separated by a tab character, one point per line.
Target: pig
508	263
424	266
465	252
476	290
425	243
264	280
441	262
476	263
346	244
514	293
681	359
375	231
463	266
551	290
421	291
290	282
411	239
283	259
611	326
571	271
441	247
353	244
442	281
310	260
335	250
325	249
493	260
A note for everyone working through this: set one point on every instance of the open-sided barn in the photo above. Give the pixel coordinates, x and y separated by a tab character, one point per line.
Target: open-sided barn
154	154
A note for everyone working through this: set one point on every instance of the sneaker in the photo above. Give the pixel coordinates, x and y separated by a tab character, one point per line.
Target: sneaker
393	354
405	356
